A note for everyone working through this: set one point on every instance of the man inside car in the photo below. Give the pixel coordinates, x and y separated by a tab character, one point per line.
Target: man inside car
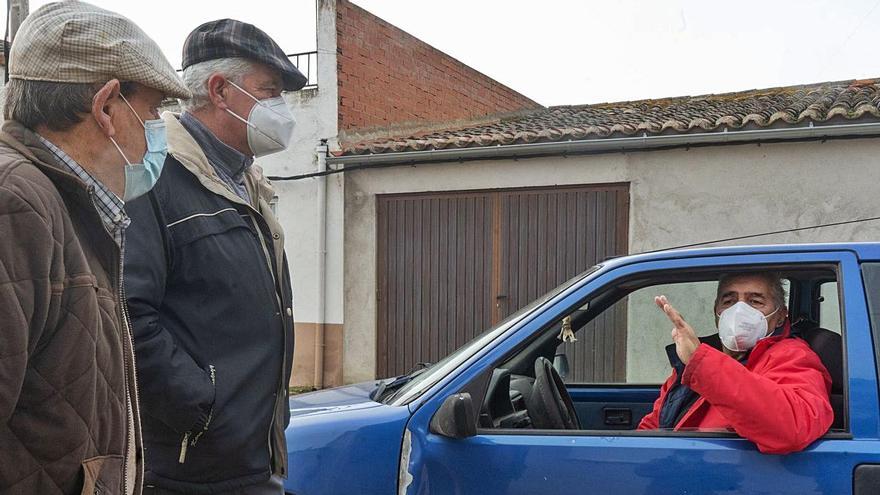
756	379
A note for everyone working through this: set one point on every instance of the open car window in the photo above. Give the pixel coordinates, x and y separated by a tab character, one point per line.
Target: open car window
625	343
611	351
417	383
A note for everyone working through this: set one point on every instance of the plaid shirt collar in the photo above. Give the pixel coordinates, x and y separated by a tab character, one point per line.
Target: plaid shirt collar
229	163
108	204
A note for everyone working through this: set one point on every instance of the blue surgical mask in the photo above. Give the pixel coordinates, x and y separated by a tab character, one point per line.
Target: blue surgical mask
141	177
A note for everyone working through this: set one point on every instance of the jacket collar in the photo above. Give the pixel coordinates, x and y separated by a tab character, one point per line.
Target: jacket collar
232	162
765	343
27	143
73	190
185	149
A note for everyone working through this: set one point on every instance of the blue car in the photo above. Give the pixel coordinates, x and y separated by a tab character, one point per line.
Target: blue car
490	418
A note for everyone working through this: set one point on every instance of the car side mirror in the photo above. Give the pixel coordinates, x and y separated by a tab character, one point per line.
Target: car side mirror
455	418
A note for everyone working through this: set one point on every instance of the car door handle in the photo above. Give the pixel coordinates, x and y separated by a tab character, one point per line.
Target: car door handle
617	416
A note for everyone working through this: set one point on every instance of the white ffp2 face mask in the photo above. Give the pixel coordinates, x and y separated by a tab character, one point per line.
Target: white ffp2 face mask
269	124
742	326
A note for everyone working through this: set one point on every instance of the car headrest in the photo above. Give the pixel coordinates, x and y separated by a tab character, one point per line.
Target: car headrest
829	347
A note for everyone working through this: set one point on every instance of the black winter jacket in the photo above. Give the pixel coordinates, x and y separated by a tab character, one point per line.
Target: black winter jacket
210	301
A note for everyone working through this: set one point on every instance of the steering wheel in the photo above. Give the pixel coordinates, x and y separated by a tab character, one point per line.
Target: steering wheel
549	404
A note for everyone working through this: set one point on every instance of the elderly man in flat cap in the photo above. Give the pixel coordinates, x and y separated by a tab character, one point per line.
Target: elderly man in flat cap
82	137
206	276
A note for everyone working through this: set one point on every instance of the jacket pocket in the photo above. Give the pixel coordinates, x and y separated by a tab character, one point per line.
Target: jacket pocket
191	438
102	475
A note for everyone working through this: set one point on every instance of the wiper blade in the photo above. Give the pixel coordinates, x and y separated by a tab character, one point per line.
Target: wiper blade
387	387
376	395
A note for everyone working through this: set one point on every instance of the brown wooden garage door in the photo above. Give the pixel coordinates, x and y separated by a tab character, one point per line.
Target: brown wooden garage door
451	265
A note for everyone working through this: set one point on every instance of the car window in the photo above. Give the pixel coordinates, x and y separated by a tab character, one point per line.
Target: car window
829	307
611	352
625	344
420	383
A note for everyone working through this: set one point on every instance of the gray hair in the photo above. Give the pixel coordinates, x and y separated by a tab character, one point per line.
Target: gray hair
56	105
773	280
195	77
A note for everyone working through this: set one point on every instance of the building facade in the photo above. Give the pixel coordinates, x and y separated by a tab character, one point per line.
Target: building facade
451	201
372	77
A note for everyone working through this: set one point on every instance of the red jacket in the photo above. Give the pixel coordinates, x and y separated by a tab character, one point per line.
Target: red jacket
778	400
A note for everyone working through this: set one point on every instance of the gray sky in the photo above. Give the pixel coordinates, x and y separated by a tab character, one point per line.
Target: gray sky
586	51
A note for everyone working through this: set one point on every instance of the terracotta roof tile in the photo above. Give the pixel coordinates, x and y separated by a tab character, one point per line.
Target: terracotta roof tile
793	105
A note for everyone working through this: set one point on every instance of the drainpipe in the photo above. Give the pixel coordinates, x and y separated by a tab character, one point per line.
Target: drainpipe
16	11
321	155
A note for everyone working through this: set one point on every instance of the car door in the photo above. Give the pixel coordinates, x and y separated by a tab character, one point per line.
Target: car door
591	461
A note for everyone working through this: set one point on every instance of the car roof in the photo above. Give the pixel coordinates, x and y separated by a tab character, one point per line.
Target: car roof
863	250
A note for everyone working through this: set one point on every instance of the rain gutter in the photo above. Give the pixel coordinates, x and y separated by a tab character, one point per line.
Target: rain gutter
644	142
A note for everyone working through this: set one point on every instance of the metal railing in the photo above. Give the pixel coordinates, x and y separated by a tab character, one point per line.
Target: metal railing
307	63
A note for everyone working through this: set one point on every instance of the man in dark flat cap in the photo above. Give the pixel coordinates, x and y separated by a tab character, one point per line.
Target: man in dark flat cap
206	277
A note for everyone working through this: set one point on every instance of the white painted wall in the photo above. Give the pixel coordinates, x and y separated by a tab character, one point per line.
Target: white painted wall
316	114
677	197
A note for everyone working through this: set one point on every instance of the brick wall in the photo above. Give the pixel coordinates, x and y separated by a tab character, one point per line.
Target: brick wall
389	77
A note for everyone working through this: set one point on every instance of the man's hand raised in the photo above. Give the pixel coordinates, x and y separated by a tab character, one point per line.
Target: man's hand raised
686	341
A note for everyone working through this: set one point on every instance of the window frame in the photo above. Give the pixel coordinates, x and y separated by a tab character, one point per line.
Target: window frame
613	284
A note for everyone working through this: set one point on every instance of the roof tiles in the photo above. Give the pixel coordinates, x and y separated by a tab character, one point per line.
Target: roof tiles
776	107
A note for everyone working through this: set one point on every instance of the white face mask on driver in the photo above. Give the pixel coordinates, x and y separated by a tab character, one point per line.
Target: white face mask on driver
269	124
742	326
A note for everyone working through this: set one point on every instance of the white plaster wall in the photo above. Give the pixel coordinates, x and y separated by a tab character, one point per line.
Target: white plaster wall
315	111
677	197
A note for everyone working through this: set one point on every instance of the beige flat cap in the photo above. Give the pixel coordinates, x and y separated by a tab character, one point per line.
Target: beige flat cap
76	42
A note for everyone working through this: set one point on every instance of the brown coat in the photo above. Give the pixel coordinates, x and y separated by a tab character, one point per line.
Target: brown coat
66	361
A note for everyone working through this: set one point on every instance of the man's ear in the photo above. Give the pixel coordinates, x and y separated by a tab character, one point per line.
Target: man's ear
102	110
782	315
217	89
715	312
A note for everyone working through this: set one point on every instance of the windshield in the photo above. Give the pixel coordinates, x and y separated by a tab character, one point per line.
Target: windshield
427	377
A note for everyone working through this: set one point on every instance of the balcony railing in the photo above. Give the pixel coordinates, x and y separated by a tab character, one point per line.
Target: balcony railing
307	63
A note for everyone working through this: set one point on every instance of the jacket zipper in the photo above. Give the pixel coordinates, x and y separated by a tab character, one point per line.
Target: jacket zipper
213	371
253	210
190	440
131	398
275	289
182	457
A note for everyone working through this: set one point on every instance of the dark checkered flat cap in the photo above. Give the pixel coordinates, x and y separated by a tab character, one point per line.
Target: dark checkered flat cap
227	38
